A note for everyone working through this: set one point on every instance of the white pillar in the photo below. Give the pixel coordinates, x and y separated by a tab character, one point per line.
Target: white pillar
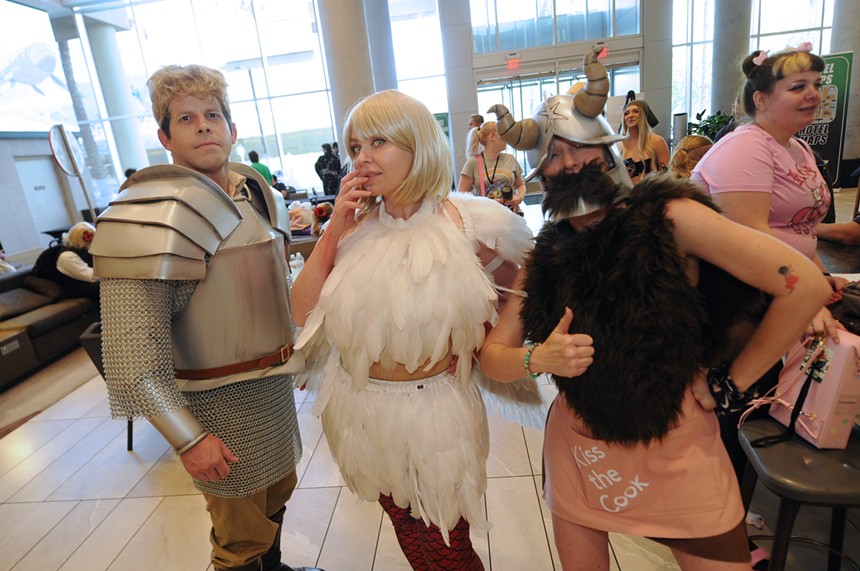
347	55
731	45
381	47
656	65
116	91
456	22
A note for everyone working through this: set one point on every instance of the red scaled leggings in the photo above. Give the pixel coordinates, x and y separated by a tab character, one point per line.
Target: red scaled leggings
424	546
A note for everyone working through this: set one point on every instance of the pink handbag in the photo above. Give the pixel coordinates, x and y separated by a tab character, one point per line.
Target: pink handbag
818	395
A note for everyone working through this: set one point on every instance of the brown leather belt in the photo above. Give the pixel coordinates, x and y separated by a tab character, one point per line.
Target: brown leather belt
280	356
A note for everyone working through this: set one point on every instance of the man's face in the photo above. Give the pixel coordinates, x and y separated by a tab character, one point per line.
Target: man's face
200	136
565	157
576	182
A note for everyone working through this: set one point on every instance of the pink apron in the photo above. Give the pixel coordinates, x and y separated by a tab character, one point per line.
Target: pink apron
682	486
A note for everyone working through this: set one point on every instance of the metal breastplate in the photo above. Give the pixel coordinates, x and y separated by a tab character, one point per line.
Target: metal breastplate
240	311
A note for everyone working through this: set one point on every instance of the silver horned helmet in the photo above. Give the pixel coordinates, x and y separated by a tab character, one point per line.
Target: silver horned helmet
574	117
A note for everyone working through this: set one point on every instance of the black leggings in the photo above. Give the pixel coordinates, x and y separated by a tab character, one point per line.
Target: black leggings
730	546
729	424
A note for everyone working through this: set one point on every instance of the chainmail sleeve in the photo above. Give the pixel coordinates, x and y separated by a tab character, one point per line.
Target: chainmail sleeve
136	348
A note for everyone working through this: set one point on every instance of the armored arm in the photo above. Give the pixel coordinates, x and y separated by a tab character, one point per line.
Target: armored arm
136	317
151	249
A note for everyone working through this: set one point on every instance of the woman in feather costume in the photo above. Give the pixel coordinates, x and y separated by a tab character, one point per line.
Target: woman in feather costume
626	303
393	302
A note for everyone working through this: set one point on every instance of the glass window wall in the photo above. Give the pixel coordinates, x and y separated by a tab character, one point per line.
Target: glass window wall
269	51
524	24
780	23
417	42
303	122
521	95
626	17
692	39
775	24
508	25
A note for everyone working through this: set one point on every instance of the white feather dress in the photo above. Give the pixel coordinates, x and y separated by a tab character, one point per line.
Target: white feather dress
407	291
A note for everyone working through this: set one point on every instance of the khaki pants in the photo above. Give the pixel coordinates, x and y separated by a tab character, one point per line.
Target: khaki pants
241	528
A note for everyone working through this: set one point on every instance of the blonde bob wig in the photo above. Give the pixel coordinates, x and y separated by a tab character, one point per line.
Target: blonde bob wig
407	124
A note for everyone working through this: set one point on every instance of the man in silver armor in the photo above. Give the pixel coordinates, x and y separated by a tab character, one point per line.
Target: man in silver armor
197	335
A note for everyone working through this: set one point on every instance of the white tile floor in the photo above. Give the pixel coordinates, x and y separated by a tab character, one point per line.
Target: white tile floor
73	499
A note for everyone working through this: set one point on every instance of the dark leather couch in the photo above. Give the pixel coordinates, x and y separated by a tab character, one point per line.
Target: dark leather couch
37	323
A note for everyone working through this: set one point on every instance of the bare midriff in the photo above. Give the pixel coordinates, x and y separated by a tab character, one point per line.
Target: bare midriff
399	372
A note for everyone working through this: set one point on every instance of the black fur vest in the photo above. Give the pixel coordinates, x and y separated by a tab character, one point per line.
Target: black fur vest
627	286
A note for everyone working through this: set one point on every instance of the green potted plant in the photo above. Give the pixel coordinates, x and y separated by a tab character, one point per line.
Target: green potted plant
709	126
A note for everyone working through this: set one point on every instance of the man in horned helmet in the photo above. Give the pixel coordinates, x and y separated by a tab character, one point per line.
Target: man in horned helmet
619	305
571	124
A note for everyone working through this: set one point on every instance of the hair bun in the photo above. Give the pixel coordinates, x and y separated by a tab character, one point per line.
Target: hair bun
749	65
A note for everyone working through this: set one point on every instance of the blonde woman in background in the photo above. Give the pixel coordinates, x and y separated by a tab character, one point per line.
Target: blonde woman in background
490	171
687	155
643	151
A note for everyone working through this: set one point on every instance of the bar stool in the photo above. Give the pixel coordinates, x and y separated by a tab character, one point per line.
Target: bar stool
801	474
856	210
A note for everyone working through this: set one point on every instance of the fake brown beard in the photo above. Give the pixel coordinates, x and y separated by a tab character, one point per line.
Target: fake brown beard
562	193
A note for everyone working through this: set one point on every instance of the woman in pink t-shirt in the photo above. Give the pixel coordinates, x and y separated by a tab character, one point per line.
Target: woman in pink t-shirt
764	177
761	175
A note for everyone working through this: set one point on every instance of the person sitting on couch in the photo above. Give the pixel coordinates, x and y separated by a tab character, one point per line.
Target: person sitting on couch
70	263
5	265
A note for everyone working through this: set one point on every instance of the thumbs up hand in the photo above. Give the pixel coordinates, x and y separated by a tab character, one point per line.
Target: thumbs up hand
563	353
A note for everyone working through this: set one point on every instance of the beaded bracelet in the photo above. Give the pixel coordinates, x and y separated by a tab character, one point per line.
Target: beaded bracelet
527	360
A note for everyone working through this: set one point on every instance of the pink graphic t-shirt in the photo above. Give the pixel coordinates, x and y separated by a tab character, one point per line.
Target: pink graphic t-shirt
750	160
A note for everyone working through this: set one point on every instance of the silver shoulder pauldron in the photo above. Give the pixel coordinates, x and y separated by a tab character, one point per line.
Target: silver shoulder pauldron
162	225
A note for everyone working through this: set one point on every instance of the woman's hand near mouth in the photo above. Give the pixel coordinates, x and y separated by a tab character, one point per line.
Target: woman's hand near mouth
347	203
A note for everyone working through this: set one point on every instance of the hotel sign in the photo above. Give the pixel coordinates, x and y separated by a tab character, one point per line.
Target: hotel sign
827	131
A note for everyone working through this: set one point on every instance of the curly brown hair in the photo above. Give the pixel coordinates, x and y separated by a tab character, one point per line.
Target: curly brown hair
179	81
